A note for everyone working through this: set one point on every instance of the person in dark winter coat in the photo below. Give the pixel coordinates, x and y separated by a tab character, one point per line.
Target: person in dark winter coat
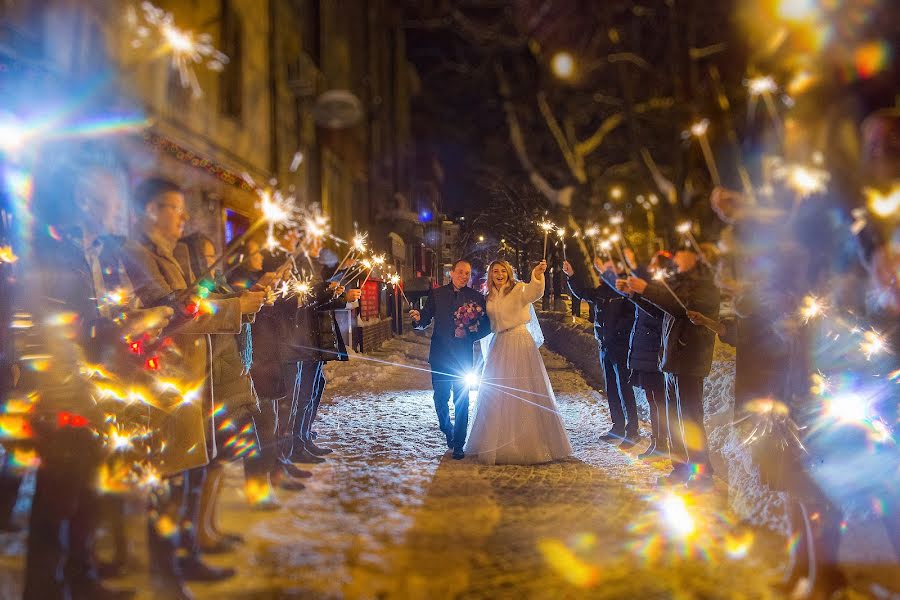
643	360
686	359
613	322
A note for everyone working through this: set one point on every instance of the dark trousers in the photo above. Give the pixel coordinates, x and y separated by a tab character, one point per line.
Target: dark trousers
10	481
622	404
444	384
64	512
265	424
295	409
688	447
654	385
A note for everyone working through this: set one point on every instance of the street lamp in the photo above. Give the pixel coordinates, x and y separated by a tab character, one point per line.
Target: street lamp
615	192
563	65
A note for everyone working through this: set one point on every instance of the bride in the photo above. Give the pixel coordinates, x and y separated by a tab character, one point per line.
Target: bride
516	418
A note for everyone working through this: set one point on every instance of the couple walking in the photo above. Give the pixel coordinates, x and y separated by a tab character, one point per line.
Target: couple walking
516	419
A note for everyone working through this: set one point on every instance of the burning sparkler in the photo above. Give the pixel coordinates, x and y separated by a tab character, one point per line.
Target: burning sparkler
561	232
765	87
153	27
882	205
812	307
804	180
660	276
873	343
698	130
547	226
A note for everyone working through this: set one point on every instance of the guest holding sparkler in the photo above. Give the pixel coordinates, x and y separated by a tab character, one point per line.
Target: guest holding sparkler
643	360
613	322
273	377
77	267
686	360
238	417
159	278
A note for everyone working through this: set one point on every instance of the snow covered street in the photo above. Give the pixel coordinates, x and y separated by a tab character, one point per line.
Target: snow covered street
392	516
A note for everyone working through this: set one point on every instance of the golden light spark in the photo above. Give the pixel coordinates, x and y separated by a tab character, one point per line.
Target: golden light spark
684	228
616	220
592	231
546	226
883	205
156	28
7	255
699	128
812	307
873	343
804	180
761	85
563	65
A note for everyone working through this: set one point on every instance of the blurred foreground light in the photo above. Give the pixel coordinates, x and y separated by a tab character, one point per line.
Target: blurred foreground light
761	85
12	134
848	408
563	65
472	379
798	10
884	205
675	516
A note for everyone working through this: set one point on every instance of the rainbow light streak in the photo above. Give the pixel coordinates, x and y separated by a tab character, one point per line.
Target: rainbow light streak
15	427
22	458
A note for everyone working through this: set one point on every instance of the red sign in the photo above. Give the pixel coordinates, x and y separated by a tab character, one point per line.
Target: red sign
368	301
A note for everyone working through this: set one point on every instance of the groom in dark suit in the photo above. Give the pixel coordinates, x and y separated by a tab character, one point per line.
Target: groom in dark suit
451	350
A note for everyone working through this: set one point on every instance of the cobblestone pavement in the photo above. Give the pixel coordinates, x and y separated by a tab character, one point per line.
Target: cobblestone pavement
391	515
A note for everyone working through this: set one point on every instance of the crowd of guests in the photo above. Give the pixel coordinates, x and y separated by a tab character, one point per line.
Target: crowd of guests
140	366
809	298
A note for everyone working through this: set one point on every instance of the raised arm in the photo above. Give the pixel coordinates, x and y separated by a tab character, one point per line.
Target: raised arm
534	289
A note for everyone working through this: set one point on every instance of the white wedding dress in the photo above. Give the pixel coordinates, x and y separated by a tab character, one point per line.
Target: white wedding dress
516	419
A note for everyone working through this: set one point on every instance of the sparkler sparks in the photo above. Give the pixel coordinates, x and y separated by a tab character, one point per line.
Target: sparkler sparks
699	128
155	28
7	255
812	308
882	205
761	85
547	227
873	343
803	179
684	228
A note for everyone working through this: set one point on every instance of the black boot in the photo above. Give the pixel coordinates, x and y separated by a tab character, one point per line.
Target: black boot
304	456
194	569
166	578
317	450
650	452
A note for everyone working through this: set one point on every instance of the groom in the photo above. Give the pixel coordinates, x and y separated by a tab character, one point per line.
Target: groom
451	349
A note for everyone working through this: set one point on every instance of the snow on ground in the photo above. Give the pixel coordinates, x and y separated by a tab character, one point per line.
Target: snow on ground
390	515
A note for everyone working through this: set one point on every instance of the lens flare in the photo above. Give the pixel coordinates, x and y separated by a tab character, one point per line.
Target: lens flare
883	205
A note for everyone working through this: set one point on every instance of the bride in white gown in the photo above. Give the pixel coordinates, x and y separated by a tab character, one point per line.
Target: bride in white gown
516	418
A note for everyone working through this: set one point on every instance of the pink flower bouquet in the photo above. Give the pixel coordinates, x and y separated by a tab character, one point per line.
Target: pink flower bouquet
466	318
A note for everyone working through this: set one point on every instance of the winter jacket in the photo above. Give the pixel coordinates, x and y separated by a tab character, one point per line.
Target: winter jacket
613	316
687	349
646	335
159	278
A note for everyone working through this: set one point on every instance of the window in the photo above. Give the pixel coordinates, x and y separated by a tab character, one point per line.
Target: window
231	90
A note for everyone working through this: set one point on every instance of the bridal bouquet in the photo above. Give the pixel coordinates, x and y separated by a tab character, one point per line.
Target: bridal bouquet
466	318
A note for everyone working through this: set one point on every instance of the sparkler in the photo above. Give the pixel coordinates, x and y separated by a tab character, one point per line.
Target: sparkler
7	256
685	229
812	307
562	240
358	246
764	86
377	261
547	226
660	276
156	28
883	205
698	130
614	240
873	343
395	281
804	180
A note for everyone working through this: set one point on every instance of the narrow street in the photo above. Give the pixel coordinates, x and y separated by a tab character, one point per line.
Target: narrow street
391	515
